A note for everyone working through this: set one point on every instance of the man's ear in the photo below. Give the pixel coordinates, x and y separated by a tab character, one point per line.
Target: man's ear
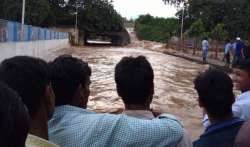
118	91
200	102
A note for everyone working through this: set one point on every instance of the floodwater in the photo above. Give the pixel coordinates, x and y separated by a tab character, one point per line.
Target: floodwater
174	92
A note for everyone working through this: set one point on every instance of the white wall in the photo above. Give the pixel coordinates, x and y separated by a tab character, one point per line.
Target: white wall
41	48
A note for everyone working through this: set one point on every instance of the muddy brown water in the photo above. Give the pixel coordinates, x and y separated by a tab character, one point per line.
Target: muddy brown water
173	81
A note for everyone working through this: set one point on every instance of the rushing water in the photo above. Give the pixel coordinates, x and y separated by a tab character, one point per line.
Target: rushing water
174	76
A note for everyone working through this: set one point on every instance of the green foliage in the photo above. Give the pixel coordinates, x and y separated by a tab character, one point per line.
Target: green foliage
93	15
36	10
219	33
196	30
152	28
99	15
234	14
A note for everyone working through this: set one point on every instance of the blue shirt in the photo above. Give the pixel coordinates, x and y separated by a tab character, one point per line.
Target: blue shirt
76	127
239	47
220	134
227	48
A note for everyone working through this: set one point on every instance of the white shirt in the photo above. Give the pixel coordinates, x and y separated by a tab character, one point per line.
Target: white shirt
240	108
205	45
144	114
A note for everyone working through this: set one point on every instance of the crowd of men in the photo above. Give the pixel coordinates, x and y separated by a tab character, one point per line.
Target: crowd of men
45	105
235	48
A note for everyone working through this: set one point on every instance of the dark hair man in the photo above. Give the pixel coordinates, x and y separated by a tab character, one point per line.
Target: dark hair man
14	124
241	79
134	79
73	125
30	77
215	91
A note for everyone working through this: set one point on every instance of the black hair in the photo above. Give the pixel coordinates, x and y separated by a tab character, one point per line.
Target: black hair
215	90
29	76
134	79
243	64
14	124
67	73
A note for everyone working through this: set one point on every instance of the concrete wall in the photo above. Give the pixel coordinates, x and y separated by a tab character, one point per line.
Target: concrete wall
41	48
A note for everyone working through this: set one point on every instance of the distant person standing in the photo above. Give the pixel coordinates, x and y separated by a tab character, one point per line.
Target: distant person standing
205	46
227	49
238	54
246	52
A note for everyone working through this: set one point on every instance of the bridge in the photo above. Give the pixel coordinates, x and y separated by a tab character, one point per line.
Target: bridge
121	38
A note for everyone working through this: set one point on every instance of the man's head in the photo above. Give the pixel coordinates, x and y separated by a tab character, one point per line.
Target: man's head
70	80
30	78
241	75
14	124
215	91
134	79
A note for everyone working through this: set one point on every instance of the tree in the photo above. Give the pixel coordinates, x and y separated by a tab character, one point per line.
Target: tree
219	34
157	29
93	15
196	31
36	10
233	14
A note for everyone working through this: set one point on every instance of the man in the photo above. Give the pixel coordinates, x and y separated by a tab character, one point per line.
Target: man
241	79
73	125
239	46
134	79
14	124
227	49
215	91
205	46
30	77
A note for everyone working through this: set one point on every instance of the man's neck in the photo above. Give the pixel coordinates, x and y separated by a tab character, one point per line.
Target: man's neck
39	126
245	90
137	107
214	120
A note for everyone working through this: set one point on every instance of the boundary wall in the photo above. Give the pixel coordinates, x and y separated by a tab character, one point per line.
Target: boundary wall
18	39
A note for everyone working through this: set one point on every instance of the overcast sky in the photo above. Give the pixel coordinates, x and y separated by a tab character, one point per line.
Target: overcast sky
134	8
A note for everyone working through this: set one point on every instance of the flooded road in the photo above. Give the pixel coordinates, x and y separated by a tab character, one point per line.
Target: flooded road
174	76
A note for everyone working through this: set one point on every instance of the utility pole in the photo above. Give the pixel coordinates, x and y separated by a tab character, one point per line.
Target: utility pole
23	12
182	23
76	31
23	18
